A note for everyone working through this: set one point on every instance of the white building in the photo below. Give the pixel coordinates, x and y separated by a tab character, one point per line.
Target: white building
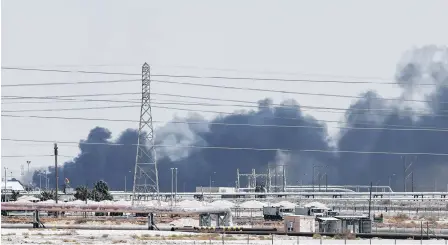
205	189
12	185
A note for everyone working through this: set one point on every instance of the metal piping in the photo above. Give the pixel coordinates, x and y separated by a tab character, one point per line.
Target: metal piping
108	208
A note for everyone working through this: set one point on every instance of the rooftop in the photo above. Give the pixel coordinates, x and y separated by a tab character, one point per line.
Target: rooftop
14	185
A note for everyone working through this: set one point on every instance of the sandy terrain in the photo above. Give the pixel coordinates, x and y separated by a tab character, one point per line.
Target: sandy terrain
24	236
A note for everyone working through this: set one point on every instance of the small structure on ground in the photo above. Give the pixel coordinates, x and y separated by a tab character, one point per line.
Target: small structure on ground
355	224
299	223
329	224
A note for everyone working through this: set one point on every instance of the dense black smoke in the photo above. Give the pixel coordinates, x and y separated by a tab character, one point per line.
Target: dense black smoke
428	65
197	166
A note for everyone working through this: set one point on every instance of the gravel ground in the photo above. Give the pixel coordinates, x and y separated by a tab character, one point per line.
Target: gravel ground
15	236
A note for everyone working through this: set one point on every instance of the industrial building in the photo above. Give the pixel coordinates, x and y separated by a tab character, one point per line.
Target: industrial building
204	189
12	185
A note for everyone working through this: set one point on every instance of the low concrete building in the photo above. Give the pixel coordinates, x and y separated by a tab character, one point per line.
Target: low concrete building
205	189
329	224
355	224
299	223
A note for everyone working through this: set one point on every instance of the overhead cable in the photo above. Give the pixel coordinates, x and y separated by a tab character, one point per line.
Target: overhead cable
236	148
216	77
236	124
372	111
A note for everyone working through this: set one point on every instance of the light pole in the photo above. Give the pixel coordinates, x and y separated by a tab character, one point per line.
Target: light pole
125	181
28	162
211	182
175	195
390	178
5	181
40	180
172	180
376	185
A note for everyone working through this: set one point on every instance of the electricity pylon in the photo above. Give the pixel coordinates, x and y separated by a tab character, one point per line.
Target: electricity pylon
146	179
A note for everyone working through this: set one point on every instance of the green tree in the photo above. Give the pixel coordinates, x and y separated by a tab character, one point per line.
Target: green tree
100	192
47	195
81	193
15	195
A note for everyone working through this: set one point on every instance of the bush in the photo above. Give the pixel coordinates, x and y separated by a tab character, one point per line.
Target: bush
115	214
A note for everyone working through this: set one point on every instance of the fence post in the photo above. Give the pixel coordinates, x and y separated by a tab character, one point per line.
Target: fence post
247	238
298	240
272	238
223	235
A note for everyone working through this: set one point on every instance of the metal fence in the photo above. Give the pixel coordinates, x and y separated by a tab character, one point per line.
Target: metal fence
283	240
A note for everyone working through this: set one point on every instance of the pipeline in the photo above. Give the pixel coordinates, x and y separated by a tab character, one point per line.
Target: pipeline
67	207
84	227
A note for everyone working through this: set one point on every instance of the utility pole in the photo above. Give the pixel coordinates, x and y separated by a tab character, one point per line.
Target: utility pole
28	162
56	170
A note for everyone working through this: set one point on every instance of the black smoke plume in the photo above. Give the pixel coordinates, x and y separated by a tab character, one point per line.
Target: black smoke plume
420	106
198	166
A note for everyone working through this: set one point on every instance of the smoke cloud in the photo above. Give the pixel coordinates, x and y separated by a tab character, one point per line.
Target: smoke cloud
197	166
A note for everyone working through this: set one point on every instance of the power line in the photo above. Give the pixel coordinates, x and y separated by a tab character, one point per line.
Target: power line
67	83
283	79
220	112
20	97
237	148
10	156
187	103
281	91
200	103
217	77
235	124
204	85
70	71
210	68
226	87
73	109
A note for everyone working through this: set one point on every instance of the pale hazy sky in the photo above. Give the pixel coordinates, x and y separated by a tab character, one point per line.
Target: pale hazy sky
351	40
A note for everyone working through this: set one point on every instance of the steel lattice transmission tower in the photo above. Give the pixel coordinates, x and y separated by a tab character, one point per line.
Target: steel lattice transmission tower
146	179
